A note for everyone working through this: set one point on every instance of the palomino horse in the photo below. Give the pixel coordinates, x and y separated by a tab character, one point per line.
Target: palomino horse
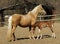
43	24
50	10
27	20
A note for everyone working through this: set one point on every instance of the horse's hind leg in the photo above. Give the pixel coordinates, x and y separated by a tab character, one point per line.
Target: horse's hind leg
12	34
13	37
9	33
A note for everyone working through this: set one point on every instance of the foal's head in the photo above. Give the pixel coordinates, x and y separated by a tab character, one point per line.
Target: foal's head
49	9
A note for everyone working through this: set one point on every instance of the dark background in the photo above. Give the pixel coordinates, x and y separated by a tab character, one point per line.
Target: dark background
10	3
9	7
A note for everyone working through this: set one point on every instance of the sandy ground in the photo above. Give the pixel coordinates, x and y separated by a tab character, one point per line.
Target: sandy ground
22	36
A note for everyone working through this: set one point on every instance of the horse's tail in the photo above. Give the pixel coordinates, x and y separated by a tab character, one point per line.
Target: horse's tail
9	27
10	22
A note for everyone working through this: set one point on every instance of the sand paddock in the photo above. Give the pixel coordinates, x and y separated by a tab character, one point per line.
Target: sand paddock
22	36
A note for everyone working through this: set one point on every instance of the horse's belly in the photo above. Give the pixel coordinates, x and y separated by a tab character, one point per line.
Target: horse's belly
25	21
24	26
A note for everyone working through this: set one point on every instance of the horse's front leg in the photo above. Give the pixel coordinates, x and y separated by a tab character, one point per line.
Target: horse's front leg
31	30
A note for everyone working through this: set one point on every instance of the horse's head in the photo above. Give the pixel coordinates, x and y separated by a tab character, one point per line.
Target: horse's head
49	9
40	9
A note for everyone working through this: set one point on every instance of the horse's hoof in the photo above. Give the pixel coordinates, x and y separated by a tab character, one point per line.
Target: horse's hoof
33	38
30	37
37	37
41	37
53	35
11	40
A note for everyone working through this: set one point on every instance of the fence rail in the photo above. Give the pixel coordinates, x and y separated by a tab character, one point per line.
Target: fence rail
48	15
57	17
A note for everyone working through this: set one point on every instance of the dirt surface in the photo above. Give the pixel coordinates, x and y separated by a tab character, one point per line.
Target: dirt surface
22	36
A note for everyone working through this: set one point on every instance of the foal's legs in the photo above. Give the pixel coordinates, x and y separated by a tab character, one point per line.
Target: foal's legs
53	33
31	30
39	33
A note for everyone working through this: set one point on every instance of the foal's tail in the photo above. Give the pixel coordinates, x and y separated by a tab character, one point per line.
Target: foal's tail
9	27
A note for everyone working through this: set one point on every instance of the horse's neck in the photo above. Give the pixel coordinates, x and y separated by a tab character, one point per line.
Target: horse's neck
32	14
35	12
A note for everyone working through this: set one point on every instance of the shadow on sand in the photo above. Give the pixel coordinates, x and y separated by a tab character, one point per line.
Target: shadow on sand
46	36
25	38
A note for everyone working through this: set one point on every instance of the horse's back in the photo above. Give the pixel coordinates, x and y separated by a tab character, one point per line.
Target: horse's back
21	20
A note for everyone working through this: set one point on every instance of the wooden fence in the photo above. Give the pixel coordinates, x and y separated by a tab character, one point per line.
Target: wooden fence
39	18
57	17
